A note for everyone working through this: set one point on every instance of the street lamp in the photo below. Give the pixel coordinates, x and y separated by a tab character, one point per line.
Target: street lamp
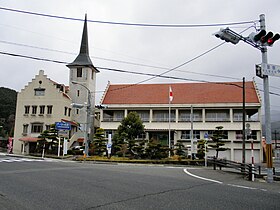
88	115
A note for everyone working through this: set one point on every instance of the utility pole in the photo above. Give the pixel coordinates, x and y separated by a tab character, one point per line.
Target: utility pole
243	123
266	109
275	138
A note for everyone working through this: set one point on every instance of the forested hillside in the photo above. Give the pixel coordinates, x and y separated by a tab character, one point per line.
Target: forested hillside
8	98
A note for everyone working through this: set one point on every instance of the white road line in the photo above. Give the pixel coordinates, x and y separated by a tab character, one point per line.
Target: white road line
10	160
244	187
199	177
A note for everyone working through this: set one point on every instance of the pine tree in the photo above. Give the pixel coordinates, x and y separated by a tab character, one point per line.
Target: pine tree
217	138
99	144
124	141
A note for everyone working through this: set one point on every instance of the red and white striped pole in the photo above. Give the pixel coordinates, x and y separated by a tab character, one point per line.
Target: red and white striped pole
253	162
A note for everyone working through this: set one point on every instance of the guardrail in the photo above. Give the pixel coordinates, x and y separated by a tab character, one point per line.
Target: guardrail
246	169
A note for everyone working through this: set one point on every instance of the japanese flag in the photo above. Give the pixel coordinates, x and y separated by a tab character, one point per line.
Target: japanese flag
170	94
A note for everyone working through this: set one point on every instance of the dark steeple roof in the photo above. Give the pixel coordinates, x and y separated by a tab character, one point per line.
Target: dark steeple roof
83	58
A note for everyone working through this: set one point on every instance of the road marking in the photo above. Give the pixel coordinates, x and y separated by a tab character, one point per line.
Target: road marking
199	177
244	187
11	160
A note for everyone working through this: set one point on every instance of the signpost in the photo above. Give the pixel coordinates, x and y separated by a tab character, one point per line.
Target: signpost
271	70
109	145
62	126
205	147
267	69
63	132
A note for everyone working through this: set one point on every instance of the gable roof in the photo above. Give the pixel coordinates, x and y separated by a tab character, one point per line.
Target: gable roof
183	93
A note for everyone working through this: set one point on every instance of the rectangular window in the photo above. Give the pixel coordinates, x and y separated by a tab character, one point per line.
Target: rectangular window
118	116
185	115
253	135
39	91
79	72
25	128
144	115
69	112
78	93
217	115
163	116
48	127
42	109
187	134
27	109
238	135
77	111
49	109
34	109
65	111
37	128
237	116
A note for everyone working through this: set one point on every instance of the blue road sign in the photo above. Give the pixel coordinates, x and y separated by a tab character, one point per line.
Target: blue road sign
62	126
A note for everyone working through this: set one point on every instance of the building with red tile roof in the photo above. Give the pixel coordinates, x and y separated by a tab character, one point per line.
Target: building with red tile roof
212	104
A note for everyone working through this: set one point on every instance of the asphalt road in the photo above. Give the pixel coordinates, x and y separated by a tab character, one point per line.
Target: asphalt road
50	184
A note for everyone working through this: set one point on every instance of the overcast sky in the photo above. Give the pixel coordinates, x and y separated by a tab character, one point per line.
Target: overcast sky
134	48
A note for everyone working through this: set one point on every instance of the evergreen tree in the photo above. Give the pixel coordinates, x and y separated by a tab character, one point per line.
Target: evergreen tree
155	150
180	149
201	149
46	136
99	144
218	141
131	127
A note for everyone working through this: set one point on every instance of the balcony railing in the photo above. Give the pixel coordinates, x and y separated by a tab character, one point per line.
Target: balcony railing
163	120
111	119
216	119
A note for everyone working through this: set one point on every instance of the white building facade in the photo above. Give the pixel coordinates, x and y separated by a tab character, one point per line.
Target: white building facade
44	102
212	105
41	103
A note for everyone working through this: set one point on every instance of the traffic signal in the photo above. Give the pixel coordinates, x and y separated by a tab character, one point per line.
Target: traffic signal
101	106
227	35
263	38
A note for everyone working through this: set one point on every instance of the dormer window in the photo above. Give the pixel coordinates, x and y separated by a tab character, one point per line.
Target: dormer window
39	91
79	72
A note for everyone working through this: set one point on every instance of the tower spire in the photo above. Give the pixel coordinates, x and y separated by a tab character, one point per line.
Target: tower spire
84	42
83	58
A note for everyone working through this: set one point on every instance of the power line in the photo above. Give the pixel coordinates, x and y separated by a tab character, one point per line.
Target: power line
125	71
118	61
129	24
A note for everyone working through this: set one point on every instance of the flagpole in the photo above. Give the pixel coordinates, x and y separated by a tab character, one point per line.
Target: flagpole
169	134
169	116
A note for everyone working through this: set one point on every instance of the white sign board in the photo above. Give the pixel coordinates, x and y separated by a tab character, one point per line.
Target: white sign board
109	144
65	145
63	133
271	70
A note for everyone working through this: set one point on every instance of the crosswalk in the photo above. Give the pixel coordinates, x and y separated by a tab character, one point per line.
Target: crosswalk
15	159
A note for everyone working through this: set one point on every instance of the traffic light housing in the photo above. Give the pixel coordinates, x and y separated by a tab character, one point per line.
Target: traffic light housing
227	35
263	38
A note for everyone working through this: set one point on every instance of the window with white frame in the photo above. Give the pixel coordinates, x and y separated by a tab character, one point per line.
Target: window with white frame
42	109
25	128
217	115
26	109
79	72
49	109
163	116
37	128
39	91
34	109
